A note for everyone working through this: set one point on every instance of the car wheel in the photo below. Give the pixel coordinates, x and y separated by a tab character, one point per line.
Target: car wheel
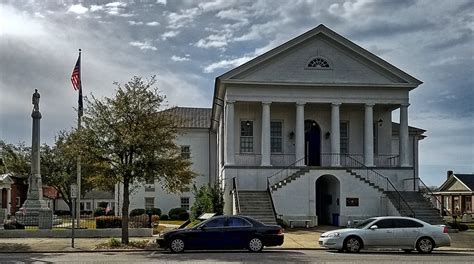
352	244
177	245
255	244
425	245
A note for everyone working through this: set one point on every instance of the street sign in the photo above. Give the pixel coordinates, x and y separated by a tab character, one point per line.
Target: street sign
73	191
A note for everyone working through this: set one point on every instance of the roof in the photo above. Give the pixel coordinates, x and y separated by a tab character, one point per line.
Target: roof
411	130
97	194
5	178
190	117
321	30
467	179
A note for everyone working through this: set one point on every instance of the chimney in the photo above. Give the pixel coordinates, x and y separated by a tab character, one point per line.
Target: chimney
450	172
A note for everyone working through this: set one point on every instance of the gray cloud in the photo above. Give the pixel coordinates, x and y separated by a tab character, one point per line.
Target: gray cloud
188	43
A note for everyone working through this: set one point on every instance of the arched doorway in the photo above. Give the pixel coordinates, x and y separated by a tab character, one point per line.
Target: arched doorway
312	143
327	200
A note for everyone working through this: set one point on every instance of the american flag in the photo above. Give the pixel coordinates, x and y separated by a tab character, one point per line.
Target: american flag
76	75
76	82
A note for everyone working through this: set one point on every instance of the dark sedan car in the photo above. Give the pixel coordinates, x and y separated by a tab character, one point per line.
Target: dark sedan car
223	232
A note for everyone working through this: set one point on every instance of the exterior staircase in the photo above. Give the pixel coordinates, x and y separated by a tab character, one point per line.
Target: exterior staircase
367	181
290	178
421	207
258	205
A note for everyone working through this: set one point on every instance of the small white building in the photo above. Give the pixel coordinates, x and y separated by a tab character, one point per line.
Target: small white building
196	142
309	125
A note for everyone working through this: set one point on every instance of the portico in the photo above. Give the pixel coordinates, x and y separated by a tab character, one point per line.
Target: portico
292	144
315	114
5	192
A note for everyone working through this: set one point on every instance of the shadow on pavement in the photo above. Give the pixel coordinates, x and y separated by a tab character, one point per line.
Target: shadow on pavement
12	247
24	258
267	256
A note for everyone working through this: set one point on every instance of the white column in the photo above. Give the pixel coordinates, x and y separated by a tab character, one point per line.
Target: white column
299	133
335	134
369	135
266	134
9	201
403	136
229	134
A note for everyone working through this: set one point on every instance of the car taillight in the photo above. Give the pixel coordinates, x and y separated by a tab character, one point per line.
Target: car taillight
445	230
280	231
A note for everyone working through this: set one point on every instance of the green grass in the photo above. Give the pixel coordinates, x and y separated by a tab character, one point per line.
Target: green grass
172	222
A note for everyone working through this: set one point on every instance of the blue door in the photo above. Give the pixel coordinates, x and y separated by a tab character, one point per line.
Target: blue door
312	143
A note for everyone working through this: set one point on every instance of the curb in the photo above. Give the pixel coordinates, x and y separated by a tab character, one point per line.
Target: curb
163	250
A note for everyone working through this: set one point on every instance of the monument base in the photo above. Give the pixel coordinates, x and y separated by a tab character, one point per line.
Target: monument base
35	213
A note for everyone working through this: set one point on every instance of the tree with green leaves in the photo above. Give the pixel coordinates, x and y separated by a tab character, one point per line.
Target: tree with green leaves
208	199
58	168
135	139
15	158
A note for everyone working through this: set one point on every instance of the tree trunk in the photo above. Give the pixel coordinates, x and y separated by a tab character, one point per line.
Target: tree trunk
126	203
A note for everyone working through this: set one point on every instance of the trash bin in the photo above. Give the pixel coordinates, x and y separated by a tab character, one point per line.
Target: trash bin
335	219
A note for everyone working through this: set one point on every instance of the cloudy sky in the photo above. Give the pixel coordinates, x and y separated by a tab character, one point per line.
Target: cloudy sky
188	43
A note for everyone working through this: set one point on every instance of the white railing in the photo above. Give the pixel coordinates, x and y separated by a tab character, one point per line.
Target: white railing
326	159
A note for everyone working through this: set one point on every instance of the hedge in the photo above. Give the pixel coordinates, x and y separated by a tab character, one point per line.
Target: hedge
108	222
178	214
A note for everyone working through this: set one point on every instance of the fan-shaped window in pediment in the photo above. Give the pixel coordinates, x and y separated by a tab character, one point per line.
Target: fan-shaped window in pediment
318	63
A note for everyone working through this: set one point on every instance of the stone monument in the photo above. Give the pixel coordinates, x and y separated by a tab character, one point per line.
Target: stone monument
35	210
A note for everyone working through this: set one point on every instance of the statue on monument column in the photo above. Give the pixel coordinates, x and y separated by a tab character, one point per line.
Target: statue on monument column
35	100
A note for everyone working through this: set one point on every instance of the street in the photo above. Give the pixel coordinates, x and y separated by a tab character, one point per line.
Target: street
267	256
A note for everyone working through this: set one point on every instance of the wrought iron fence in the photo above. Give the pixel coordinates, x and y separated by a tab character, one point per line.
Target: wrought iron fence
86	222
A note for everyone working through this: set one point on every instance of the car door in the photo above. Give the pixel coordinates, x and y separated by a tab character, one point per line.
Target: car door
237	233
382	235
209	235
407	232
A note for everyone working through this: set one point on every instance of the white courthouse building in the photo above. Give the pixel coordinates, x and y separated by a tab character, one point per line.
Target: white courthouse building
305	132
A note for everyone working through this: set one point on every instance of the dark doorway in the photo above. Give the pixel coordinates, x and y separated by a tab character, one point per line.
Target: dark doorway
312	143
327	200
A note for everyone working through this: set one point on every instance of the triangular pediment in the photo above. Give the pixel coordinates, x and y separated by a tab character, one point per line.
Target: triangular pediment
453	184
320	56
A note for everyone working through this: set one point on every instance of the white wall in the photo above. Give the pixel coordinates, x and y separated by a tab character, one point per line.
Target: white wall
198	140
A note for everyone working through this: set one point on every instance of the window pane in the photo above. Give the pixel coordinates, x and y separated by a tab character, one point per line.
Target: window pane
385	223
237	222
185	152
219	222
149	202
246	136
344	137
276	140
185	203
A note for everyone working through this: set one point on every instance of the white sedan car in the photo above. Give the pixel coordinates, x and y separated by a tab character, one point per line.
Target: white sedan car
388	232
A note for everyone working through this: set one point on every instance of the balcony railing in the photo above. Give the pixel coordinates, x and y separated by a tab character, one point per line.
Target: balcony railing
326	160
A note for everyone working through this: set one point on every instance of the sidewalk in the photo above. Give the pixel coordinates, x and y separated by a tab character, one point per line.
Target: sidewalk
294	239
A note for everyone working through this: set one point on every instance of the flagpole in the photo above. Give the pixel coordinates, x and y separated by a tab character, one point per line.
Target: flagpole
78	204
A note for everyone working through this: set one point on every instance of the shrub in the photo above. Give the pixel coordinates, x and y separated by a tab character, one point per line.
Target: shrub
108	222
137	211
86	212
207	200
282	223
99	211
164	217
113	243
458	226
178	214
154	211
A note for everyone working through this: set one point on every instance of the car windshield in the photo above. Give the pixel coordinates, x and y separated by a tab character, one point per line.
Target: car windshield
364	223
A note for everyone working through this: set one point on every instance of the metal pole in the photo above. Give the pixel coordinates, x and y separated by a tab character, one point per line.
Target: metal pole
78	204
73	224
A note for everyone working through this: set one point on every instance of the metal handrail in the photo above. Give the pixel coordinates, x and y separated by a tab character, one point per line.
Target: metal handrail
400	197
432	195
236	191
286	169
